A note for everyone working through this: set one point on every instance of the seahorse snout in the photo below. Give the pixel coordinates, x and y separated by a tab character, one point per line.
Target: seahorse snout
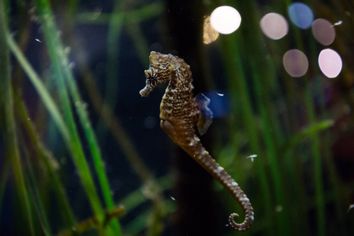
145	91
150	83
149	86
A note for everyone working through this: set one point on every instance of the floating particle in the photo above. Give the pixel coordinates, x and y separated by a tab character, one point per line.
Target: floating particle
279	208
38	40
338	23
252	157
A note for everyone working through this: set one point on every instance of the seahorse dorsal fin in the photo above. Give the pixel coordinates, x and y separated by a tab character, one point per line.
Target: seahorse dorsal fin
205	114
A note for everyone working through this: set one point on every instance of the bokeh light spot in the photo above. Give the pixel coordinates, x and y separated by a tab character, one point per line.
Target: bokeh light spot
300	14
150	122
295	63
323	31
274	25
330	63
209	34
225	19
219	104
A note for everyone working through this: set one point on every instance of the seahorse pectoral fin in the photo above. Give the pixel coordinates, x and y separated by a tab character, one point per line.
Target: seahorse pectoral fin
205	114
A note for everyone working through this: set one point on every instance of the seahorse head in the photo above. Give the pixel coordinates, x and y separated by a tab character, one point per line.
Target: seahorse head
162	66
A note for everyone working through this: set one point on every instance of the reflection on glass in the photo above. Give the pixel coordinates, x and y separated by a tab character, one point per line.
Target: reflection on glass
225	19
274	25
330	63
295	63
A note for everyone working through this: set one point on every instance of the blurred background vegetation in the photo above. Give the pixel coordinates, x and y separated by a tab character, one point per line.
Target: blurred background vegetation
81	153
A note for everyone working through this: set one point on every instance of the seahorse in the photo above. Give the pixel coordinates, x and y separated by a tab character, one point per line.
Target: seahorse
184	118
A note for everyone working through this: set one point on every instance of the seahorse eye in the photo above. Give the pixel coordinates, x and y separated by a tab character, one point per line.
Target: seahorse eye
152	81
161	66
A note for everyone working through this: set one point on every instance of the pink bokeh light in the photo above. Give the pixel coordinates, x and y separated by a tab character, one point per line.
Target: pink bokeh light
330	63
323	31
295	63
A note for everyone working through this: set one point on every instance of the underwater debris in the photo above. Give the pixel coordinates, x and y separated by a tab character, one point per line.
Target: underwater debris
252	157
338	23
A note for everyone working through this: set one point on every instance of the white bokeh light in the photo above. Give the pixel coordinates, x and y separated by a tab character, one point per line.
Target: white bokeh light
330	63
274	25
225	19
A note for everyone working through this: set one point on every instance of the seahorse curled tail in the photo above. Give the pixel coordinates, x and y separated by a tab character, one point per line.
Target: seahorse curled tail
196	150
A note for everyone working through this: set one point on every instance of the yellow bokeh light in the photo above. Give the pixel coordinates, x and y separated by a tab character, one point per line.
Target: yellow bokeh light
209	34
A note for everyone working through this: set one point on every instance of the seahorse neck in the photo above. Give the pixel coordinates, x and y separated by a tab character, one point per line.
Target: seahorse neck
177	100
181	81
